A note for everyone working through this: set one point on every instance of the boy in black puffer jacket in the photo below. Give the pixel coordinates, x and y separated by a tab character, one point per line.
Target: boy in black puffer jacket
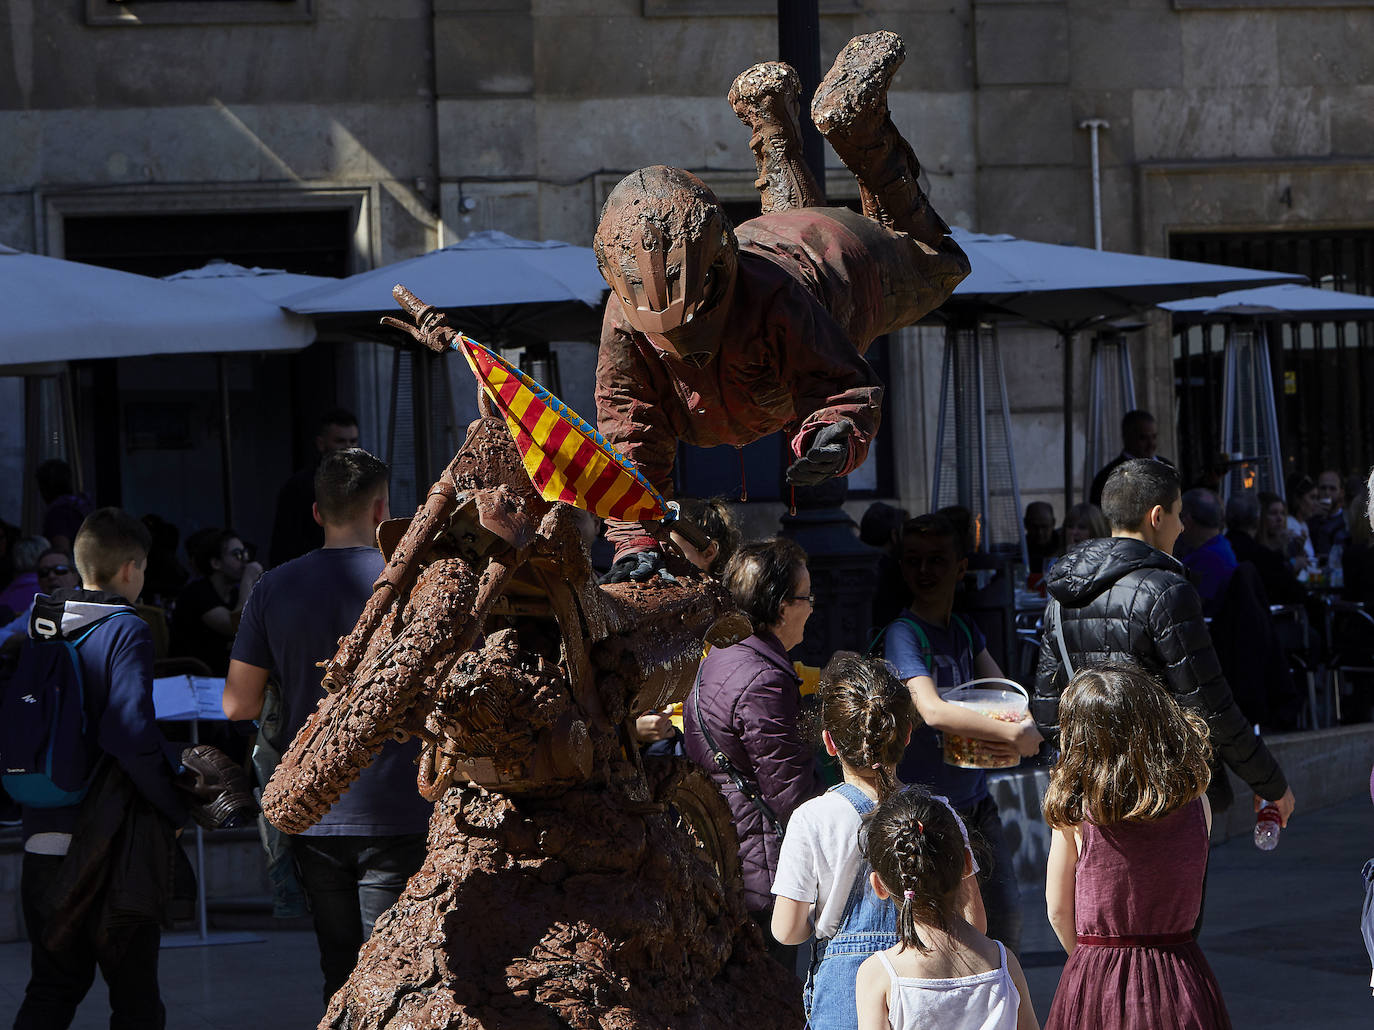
1127	599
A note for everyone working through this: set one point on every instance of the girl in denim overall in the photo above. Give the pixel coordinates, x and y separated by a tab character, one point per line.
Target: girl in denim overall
823	885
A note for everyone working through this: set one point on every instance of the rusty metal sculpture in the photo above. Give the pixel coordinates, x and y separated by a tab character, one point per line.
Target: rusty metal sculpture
567	884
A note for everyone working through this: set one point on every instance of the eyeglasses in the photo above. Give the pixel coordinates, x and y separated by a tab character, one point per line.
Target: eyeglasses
239	552
54	570
808	598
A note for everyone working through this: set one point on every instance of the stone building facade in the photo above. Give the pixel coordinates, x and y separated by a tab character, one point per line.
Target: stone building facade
420	121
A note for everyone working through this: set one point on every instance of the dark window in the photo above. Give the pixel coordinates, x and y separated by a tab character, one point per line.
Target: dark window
1322	370
305	242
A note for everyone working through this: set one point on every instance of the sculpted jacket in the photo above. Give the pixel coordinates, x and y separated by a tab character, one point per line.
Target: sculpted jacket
1121	600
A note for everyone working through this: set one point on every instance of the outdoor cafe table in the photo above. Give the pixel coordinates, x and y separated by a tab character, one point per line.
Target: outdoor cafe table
195	699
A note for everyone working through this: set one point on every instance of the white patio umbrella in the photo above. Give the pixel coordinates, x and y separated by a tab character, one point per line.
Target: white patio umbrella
496	288
1287	302
59	310
1068	289
224	280
1249	410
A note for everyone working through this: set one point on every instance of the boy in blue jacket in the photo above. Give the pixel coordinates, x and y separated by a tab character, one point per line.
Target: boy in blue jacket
111	550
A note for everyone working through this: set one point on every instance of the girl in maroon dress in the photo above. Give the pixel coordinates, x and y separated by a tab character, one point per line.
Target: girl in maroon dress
1130	818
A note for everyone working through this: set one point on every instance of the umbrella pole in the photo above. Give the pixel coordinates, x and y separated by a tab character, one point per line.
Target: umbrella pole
1067	337
422	365
226	461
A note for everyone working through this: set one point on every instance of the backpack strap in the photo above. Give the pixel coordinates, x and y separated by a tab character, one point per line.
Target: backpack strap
1059	639
922	638
97	624
72	647
968	633
927	652
746	785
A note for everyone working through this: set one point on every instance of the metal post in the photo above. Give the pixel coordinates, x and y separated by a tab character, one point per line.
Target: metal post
984	500
422	366
1011	448
226	460
799	44
945	392
1094	125
1067	337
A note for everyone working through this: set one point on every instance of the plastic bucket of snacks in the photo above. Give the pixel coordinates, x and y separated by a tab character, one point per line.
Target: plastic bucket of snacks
1003	700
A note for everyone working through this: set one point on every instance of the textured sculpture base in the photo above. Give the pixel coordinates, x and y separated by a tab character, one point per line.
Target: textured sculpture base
575	911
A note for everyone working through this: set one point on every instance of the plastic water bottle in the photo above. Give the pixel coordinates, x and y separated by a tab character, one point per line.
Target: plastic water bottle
1267	827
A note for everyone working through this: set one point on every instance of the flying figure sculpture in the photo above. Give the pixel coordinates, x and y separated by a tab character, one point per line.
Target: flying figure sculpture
718	335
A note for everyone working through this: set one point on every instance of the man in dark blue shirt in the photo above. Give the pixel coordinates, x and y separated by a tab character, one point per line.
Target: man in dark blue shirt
933	650
356	860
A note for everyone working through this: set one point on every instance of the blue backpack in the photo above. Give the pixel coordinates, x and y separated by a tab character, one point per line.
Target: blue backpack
46	758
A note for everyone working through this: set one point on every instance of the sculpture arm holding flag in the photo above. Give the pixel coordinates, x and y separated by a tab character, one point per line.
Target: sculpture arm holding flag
566	458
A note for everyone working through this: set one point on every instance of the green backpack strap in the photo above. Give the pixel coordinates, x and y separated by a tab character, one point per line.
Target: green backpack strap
927	652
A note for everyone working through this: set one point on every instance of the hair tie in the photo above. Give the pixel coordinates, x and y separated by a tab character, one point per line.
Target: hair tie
909	895
876	765
920	826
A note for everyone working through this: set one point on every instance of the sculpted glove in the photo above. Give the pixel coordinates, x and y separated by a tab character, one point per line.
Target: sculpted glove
221	797
828	453
638	567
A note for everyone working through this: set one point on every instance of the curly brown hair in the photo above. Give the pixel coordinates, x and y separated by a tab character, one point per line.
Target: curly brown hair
1128	750
914	845
868	714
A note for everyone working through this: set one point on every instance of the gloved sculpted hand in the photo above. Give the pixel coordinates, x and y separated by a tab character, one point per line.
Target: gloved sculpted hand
220	795
828	453
638	567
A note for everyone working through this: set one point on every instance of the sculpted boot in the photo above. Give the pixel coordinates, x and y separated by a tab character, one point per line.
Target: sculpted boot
850	109
766	99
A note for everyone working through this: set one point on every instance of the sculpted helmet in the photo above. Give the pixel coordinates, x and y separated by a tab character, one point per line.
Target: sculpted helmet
666	248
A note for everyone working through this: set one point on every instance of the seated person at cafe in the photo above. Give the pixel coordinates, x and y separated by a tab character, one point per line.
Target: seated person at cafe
1243	521
1083	522
208	609
1042	540
1205	552
1327	525
933	650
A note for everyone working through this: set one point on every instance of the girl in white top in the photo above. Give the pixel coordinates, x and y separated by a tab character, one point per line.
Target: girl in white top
942	971
822	883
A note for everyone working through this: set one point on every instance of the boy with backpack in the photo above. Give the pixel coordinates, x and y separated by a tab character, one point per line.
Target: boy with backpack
88	642
932	650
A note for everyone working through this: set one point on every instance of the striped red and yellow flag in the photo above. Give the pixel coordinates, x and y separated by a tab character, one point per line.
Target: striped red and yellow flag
567	460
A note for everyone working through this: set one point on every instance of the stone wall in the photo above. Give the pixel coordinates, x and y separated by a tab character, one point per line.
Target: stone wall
434	120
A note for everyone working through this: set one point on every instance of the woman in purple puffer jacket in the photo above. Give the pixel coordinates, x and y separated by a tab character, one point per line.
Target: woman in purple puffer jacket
747	698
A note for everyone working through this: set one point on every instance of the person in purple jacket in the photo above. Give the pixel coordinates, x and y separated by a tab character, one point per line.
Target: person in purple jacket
744	708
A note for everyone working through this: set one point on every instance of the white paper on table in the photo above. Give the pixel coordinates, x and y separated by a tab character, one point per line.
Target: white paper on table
209	692
174	698
189	697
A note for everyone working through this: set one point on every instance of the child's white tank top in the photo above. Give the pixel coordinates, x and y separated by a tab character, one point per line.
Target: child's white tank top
985	1001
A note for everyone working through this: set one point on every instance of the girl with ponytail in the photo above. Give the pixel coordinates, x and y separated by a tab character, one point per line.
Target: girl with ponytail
942	971
822	883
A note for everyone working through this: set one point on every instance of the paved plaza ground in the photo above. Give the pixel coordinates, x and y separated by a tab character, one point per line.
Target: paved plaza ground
1281	931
